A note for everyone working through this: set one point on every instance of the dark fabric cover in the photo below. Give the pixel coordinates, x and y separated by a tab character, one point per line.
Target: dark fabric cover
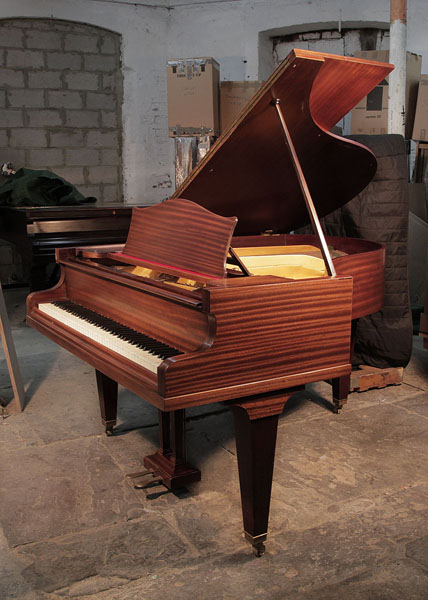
380	214
39	188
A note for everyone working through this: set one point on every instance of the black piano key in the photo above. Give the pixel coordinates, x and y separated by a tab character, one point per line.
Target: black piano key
138	339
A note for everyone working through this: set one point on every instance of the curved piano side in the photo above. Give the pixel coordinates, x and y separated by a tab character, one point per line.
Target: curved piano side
364	261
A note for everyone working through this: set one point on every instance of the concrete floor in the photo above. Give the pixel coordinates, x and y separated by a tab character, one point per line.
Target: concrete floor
349	514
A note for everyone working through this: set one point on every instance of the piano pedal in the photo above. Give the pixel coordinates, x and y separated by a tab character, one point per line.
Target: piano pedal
153	480
149	479
148	484
139	474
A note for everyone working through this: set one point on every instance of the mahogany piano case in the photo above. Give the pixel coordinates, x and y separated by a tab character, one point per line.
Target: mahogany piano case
207	301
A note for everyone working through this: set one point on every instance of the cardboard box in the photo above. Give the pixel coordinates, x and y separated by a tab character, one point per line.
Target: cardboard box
420	128
371	114
234	95
193	96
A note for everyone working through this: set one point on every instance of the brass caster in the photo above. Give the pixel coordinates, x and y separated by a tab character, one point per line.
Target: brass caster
257	542
336	407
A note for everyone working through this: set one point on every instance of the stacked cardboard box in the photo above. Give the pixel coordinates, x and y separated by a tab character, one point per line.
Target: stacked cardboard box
234	95
193	96
420	128
370	116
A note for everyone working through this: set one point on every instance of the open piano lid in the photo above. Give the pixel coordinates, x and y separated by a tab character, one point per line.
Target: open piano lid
249	173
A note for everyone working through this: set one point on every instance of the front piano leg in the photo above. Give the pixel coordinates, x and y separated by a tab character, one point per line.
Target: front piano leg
107	395
256	423
169	462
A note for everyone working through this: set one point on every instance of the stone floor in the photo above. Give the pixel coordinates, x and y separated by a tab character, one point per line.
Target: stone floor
349	514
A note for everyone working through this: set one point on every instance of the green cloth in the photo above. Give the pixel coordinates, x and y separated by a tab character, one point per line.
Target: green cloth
39	188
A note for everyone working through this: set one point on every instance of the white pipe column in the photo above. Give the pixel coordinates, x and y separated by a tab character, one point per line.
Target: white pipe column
397	56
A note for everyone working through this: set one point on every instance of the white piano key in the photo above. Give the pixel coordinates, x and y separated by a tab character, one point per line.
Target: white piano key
97	334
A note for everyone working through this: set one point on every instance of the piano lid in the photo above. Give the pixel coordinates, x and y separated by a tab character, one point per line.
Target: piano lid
249	173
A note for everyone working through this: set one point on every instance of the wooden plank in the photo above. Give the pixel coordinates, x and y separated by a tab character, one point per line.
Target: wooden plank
366	378
11	359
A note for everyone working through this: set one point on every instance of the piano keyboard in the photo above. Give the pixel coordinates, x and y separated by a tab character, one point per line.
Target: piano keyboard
127	342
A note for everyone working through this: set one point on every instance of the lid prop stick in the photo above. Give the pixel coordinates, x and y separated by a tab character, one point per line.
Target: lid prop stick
306	193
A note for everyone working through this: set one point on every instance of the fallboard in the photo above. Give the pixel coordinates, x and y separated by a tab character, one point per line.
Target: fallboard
180	326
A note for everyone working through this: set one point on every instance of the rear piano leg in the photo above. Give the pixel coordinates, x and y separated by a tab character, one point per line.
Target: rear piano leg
340	387
169	462
107	395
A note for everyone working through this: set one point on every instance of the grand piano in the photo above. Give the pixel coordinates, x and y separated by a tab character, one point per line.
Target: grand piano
36	231
212	299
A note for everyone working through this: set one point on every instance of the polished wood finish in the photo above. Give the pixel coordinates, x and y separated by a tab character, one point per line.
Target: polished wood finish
364	261
181	235
296	333
256	422
248	172
248	340
107	395
340	387
180	325
296	327
37	231
169	462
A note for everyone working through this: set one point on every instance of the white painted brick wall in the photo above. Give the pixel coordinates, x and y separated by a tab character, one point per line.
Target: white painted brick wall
60	94
82	118
45	156
65	99
28	138
102	175
82	81
30	98
67	139
102	139
82	157
23	58
237	33
44	79
80	43
10	78
63	60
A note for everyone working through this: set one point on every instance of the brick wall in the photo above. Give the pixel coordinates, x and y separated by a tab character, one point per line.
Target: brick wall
60	102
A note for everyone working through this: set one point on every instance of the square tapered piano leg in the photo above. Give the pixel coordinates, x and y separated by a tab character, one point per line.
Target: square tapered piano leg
107	395
256	423
169	462
340	386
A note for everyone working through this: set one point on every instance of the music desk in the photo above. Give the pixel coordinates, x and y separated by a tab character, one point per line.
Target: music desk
37	231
